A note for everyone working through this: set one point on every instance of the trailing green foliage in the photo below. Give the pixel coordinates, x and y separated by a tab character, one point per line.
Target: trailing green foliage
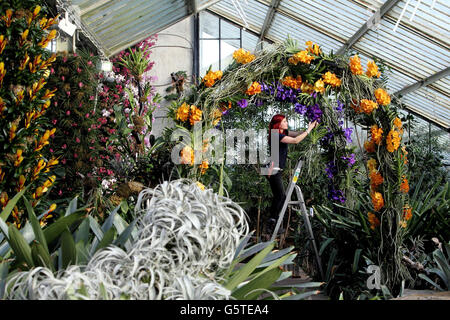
257	270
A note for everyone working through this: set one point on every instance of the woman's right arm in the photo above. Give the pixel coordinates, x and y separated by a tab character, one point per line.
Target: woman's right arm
301	136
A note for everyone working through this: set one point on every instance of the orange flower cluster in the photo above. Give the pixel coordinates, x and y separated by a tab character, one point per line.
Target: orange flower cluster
403	155
43	221
2	107
3	42
2	73
19	96
376	134
313	48
4	199
46	39
196	115
216	116
35	88
393	140
211	77
48	94
35	12
18	157
12	131
203	166
306	87
373	220
372	164
331	79
302	57
404	186
375	179
183	112
200	185
50	164
291	82
355	65
43	141
37	170
382	97
369	145
243	56
16	216
7	18
47	23
23	37
254	88
377	200
367	106
398	124
44	65
319	86
407	212
372	70
187	155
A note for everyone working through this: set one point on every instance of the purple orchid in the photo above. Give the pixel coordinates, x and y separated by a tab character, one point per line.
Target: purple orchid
348	134
243	103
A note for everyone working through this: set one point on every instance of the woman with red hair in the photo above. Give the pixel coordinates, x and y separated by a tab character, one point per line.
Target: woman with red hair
285	137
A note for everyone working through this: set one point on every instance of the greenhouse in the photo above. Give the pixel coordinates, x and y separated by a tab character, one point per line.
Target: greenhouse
225	150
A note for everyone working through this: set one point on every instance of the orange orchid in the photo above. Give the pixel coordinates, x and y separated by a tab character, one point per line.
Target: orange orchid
3	43
355	65
254	88
376	134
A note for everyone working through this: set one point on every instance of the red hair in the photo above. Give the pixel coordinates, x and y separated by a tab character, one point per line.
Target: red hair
275	124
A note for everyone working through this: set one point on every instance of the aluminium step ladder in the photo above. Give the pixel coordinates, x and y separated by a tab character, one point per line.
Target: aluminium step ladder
300	201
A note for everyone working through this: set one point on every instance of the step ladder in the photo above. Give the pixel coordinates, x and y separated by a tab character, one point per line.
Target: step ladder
301	203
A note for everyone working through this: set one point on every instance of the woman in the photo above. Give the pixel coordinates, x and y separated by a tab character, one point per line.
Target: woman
286	137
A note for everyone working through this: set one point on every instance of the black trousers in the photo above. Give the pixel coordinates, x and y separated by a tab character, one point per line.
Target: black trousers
279	195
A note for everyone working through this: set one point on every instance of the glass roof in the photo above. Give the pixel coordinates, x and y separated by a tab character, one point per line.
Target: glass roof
412	37
415	47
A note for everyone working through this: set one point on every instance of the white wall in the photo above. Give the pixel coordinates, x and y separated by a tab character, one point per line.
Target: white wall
173	52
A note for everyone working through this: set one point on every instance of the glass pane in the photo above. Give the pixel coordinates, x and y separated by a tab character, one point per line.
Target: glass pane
227	49
228	30
209	55
209	25
249	41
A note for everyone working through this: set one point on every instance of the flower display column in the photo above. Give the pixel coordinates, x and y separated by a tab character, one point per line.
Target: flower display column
25	31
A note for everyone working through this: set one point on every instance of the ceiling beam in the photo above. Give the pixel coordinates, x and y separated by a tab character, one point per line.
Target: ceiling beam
269	17
424	82
427	118
378	15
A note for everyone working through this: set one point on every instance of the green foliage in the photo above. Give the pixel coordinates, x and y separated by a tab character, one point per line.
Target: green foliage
442	269
72	239
257	270
430	209
78	141
346	247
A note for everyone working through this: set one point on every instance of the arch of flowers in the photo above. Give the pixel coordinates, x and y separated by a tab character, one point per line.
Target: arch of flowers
327	88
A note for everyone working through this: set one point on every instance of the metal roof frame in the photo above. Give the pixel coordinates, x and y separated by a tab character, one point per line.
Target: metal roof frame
269	17
114	25
379	14
382	13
